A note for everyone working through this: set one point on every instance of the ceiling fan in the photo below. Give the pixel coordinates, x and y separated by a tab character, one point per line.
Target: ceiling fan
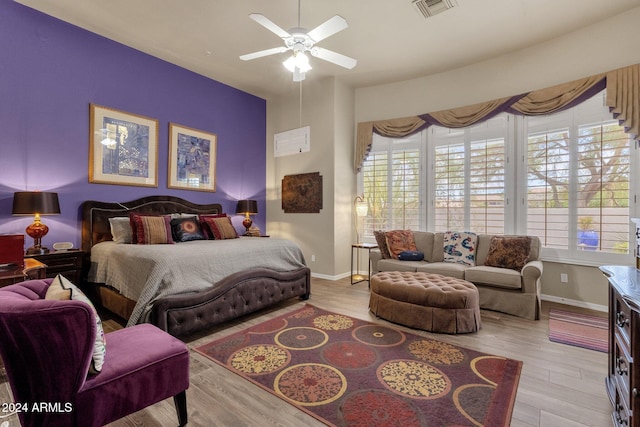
299	41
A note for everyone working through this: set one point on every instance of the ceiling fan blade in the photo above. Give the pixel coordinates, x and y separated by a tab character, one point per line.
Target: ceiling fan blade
328	28
269	25
331	56
262	53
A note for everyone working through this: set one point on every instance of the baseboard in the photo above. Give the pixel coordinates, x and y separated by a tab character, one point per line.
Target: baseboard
327	277
575	303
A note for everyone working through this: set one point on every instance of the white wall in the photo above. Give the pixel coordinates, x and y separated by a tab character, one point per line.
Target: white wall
604	46
327	107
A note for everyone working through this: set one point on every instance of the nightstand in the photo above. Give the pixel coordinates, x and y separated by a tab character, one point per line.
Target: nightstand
33	269
68	263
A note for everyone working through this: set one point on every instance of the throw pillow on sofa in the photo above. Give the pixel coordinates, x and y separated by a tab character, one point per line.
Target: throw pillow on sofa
508	252
460	247
381	239
411	256
399	241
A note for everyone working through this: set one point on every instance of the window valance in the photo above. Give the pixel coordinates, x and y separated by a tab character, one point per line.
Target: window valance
623	100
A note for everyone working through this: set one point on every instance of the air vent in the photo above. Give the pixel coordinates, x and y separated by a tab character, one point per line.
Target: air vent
432	7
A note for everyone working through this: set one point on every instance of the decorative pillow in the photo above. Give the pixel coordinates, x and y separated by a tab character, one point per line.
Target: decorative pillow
221	227
150	229
184	229
398	241
205	227
508	252
460	247
61	285
120	229
55	291
411	256
381	239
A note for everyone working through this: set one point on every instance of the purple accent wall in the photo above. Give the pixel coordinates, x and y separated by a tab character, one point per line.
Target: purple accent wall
49	73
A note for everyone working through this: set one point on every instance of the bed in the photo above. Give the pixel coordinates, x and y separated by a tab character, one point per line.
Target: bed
189	286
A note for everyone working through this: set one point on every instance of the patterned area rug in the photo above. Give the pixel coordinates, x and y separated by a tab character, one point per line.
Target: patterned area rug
580	330
350	372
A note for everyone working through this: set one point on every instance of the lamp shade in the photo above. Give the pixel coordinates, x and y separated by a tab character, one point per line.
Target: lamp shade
247	207
35	202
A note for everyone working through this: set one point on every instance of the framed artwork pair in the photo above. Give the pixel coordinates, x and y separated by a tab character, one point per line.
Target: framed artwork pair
124	150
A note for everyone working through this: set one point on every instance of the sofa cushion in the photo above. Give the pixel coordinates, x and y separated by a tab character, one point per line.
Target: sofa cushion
508	252
451	269
460	247
397	265
494	276
381	239
424	243
399	241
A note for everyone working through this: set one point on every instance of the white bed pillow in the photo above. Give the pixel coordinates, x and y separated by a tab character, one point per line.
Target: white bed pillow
120	229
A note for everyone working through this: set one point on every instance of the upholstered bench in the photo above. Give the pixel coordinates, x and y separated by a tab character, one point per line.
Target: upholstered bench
431	302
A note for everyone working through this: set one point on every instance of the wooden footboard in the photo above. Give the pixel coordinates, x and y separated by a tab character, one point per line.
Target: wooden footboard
236	295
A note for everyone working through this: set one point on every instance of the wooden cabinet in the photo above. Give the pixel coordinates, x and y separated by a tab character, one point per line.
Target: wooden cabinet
623	378
67	263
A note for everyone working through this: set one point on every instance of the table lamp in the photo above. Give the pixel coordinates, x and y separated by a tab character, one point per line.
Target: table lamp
247	207
36	203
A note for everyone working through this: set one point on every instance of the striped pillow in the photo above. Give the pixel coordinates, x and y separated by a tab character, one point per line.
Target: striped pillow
221	228
150	229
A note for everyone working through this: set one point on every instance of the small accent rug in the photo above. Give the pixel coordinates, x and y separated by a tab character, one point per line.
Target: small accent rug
349	372
580	330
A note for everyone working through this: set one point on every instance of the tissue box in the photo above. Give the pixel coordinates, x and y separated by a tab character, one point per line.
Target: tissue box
12	249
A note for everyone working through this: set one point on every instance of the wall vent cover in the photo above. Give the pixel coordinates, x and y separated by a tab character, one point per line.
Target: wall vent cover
432	7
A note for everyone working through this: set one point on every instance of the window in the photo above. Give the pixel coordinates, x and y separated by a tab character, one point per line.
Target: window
469	177
578	167
571	185
393	185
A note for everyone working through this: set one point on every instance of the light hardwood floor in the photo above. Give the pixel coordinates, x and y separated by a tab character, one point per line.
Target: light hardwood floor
560	385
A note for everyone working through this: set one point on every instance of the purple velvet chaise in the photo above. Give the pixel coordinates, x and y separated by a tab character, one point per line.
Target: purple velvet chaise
47	346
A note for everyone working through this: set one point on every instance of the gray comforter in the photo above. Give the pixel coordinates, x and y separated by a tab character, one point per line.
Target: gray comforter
144	273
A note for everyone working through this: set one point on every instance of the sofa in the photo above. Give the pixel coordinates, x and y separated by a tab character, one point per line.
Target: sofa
508	277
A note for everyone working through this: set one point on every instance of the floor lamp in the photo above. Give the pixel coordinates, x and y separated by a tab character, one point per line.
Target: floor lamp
360	210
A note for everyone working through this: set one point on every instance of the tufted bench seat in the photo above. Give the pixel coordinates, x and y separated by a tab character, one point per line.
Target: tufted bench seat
431	302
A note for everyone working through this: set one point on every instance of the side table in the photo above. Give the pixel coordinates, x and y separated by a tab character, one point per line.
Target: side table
68	263
33	269
355	248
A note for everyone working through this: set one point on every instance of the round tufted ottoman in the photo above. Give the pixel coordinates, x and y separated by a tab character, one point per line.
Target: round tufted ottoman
431	302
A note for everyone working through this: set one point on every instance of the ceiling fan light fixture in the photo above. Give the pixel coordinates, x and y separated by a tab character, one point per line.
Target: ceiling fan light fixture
298	60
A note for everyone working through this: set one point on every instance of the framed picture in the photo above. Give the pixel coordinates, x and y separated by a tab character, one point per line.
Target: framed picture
192	159
302	193
123	148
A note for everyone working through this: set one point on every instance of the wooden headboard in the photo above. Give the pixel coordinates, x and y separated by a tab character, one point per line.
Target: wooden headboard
95	215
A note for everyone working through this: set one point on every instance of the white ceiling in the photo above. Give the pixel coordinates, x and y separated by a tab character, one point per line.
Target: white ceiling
389	38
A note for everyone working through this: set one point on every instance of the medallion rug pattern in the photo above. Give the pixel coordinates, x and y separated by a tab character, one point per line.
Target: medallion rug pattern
349	372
